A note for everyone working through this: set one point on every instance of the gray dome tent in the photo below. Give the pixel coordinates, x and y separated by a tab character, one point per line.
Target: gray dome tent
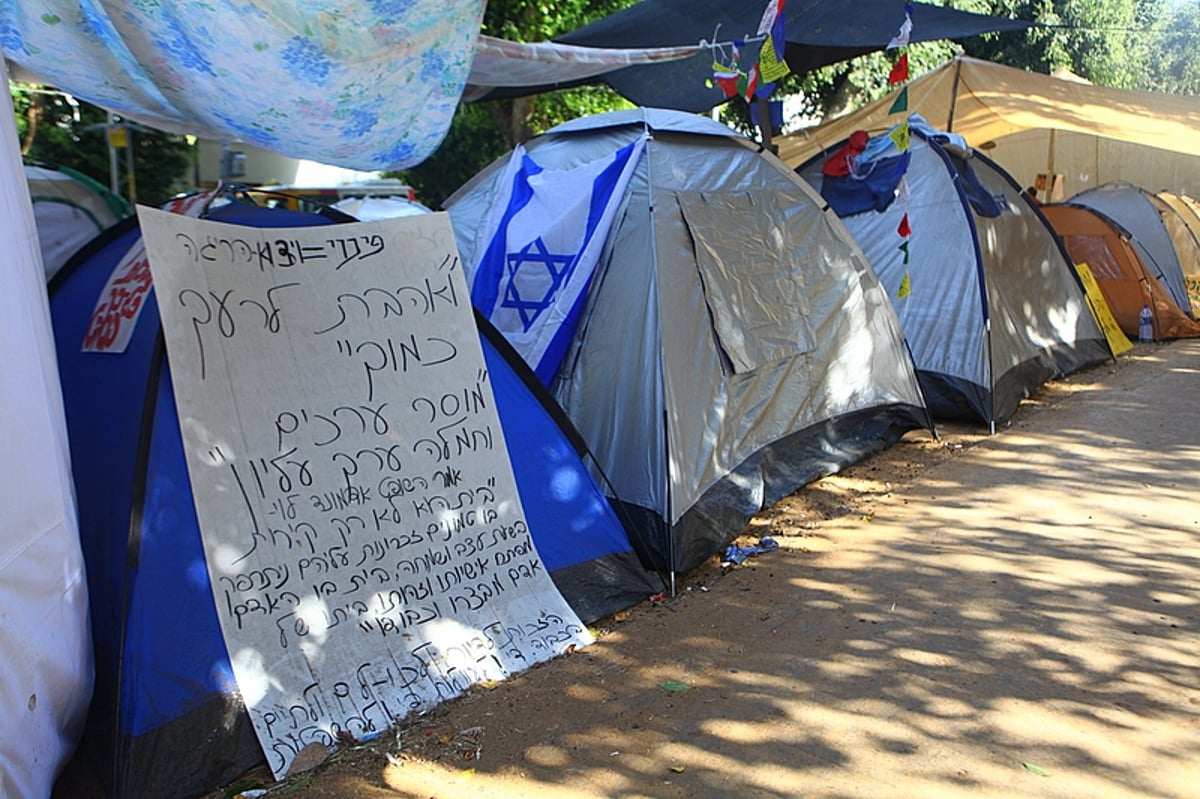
989	300
732	345
69	209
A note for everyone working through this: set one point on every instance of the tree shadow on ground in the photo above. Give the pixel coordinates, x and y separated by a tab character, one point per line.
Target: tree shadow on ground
1022	621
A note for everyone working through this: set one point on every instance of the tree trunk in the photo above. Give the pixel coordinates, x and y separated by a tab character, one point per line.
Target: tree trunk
519	130
512	117
845	97
33	115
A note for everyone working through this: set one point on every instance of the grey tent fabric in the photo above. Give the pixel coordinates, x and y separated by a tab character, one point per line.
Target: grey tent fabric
819	32
1132	209
757	296
995	308
701	417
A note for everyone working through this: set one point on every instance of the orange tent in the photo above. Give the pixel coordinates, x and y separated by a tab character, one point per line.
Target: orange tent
1092	238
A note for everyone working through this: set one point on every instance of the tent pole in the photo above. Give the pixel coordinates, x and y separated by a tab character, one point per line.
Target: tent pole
114	181
953	95
764	124
667	496
1050	165
668	511
130	184
987	327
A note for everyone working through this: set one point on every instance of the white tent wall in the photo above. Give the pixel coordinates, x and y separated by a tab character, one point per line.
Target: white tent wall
1087	161
955	343
45	648
946	338
1035	302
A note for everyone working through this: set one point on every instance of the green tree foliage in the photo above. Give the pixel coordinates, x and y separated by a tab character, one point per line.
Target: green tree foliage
838	88
473	141
1109	42
1105	41
1134	44
58	129
537	21
1175	55
481	132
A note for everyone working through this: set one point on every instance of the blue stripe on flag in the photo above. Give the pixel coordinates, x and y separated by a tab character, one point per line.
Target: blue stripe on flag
486	286
602	190
532	279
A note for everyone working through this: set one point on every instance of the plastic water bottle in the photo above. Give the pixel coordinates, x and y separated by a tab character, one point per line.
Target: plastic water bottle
1145	325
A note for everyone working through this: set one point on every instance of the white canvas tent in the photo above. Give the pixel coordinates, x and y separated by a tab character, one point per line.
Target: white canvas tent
45	651
1032	124
70	209
371	208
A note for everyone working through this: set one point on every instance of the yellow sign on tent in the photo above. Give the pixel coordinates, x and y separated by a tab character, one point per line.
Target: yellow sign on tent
1192	282
1117	341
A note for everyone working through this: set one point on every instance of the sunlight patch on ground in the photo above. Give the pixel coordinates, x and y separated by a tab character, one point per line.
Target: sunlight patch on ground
421	778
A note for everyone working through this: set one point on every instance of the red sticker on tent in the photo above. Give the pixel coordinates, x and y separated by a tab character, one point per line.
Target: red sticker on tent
120	304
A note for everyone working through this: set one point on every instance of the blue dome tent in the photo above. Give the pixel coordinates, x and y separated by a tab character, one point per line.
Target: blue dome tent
165	696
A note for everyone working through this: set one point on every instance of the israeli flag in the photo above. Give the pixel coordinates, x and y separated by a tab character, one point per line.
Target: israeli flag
546	234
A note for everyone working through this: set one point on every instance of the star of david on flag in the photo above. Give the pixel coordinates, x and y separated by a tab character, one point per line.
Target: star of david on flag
545	237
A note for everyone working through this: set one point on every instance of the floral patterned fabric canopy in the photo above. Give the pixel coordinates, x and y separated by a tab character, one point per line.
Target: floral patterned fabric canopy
362	84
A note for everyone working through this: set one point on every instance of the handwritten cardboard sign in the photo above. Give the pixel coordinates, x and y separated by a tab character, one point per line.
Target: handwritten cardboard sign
366	544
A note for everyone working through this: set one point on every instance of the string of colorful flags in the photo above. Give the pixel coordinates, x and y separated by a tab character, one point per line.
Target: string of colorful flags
900	138
759	79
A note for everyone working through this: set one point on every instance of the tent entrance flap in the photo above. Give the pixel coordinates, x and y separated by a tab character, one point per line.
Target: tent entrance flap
759	310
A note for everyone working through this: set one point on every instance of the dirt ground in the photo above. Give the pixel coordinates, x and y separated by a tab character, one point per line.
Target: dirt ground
524	736
460	737
512	732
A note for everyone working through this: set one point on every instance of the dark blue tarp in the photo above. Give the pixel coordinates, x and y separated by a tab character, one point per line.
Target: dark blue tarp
819	32
872	190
